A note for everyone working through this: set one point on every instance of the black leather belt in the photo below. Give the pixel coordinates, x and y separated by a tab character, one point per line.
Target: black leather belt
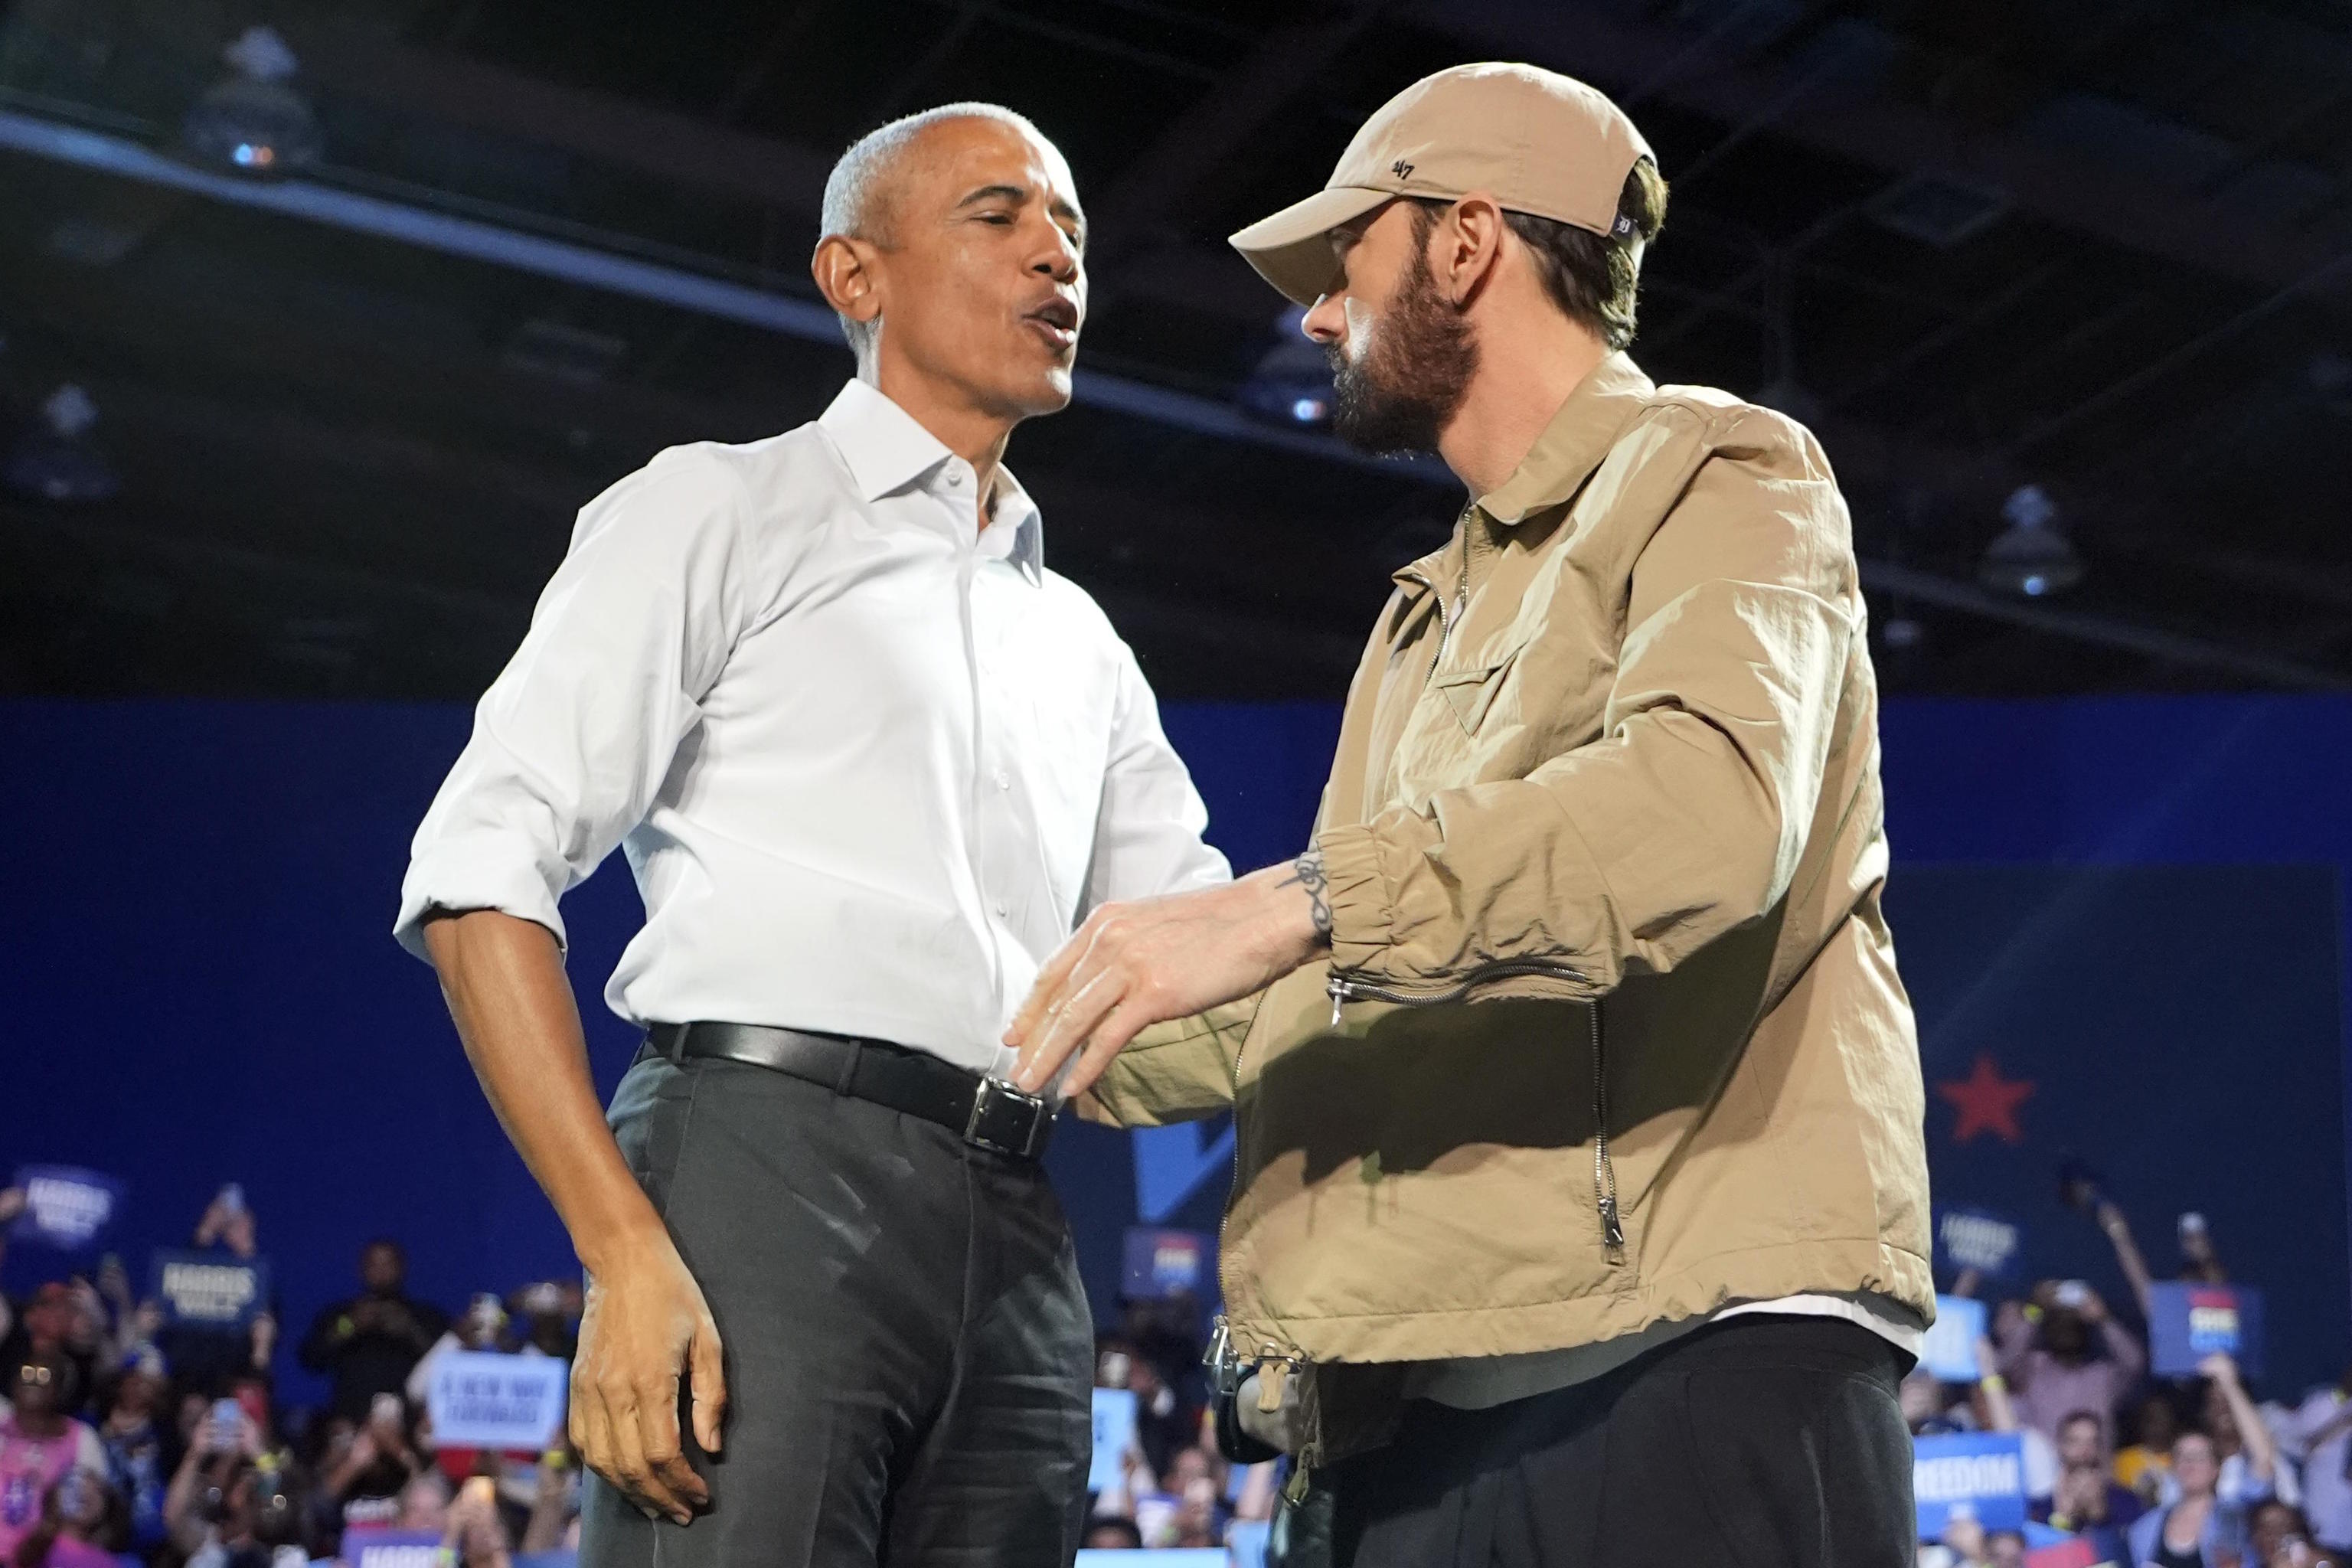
986	1112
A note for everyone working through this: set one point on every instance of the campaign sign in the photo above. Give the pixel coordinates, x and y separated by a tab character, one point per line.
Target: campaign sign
1977	1238
1950	1352
368	1546
65	1206
1968	1475
1113	1434
1161	1557
1163	1263
211	1290
2186	1323
509	1402
1246	1540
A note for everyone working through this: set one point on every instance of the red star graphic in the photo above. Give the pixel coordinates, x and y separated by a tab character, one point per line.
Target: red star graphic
1987	1102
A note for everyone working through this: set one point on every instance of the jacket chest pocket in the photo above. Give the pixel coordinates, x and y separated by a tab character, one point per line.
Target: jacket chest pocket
1468	694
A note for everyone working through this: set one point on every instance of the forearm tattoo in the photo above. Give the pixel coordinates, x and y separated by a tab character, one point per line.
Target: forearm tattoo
1306	871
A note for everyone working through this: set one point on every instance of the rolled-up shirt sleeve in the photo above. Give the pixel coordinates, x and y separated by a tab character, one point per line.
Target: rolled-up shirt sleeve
571	742
1148	836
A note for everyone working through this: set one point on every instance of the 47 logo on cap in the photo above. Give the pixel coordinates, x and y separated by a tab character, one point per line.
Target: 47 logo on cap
1401	169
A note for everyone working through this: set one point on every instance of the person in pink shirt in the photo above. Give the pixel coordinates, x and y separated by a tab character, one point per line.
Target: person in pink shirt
40	1444
83	1519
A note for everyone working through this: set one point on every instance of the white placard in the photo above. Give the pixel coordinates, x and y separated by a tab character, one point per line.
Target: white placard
505	1401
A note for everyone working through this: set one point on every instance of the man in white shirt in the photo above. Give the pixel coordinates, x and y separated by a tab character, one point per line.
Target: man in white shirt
870	764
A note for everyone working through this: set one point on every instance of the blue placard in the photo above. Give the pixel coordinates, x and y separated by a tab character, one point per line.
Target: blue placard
1950	1352
1156	1557
367	1547
1164	1263
1245	1539
1113	1434
1971	1475
2186	1323
65	1206
1978	1238
509	1402
209	1289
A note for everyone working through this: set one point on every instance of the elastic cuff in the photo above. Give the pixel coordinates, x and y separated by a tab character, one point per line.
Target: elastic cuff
1235	1443
1361	906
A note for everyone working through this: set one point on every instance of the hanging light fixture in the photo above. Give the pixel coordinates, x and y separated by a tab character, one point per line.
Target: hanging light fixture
254	121
57	459
2031	556
1292	382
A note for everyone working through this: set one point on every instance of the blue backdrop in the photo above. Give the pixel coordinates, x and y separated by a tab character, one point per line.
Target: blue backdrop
2122	920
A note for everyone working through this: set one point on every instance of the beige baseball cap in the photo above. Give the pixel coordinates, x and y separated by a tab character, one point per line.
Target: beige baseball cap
1537	142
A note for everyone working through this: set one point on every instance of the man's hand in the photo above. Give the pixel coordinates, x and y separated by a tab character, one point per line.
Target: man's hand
646	1322
1136	964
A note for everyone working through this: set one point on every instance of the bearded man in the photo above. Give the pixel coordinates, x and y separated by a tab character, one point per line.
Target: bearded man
1581	1208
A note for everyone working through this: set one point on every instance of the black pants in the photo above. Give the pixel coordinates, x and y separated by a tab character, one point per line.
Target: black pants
908	1350
1755	1443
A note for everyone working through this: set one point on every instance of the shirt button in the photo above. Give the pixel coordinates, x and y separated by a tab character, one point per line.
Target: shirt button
955	480
1003	779
1004	910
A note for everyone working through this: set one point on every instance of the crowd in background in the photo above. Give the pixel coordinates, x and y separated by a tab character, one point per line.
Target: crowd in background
130	1439
1172	1489
2200	1473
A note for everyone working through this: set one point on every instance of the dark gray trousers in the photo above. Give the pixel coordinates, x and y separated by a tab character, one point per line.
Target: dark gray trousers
909	1349
1759	1442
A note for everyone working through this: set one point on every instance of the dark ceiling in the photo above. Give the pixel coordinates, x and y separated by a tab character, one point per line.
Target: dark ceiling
2105	248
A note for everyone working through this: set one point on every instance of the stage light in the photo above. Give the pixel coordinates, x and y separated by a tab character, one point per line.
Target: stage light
57	460
2031	556
254	121
1291	384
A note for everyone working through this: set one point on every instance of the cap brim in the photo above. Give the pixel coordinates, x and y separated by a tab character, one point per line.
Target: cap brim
1292	249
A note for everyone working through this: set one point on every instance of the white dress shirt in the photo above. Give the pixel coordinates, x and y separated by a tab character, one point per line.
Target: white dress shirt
871	762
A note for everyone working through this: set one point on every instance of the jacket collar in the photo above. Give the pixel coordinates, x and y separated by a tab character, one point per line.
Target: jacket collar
1575	441
887	450
1563	457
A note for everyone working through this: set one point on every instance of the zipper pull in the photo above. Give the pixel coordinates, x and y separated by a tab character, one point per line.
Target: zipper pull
1613	1230
1338	991
1272	1376
1293	1490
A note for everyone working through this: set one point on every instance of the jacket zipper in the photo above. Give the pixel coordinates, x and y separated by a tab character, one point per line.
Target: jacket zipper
1604	1169
1447	616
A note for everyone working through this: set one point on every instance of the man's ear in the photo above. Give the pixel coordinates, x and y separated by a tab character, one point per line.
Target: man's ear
847	276
1469	243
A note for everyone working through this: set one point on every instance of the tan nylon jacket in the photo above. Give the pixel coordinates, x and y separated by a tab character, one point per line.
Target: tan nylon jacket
1612	1031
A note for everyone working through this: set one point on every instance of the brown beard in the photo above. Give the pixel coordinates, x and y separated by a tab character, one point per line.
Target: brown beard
1413	377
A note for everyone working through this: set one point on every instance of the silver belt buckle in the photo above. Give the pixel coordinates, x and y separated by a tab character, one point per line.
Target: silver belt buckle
1006	1121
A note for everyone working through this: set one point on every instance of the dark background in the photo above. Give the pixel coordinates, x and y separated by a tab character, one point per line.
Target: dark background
2098	246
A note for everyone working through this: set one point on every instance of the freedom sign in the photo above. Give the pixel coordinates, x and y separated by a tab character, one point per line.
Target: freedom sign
2186	1323
65	1206
479	1400
1968	1475
212	1290
1114	1434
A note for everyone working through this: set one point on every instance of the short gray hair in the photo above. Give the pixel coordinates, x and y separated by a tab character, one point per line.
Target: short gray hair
854	205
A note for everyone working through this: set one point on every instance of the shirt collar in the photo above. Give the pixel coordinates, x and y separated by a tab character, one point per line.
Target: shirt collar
1575	441
887	449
